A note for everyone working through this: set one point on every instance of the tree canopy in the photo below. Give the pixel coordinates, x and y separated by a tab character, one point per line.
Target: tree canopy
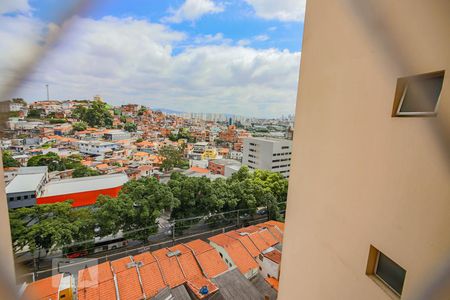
173	157
83	171
130	127
79	126
54	162
8	160
50	225
97	115
135	210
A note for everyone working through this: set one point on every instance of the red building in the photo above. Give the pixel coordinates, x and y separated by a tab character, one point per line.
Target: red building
83	191
217	166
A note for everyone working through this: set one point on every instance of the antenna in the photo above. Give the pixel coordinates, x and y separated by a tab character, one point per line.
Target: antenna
48	94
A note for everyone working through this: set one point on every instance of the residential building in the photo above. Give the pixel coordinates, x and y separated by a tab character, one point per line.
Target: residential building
268	154
26	186
368	204
217	166
116	135
96	147
10	106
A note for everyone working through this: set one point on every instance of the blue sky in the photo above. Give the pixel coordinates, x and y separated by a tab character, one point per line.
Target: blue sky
187	55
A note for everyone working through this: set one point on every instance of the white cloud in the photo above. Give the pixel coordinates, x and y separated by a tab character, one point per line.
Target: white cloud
129	60
283	10
14	6
261	38
192	10
217	39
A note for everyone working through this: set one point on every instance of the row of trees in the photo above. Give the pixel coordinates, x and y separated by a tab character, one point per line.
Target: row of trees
140	203
243	190
56	163
49	226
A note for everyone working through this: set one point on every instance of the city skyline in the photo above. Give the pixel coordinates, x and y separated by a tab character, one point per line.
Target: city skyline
190	56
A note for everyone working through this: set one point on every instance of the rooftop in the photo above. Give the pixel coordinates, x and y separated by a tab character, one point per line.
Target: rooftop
84	184
25	183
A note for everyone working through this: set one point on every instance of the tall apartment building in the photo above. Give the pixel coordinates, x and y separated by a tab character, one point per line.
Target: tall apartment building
268	154
368	213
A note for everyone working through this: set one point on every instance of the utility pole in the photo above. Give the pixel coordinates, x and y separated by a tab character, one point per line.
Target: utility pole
48	94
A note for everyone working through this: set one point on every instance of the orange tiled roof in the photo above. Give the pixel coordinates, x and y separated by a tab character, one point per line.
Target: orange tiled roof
211	263
182	248
102	166
245	240
243	260
196	283
160	254
189	265
94	275
259	242
46	288
145	144
171	270
276	233
273	283
199	246
268	237
145	168
141	154
274	256
280	225
152	280
199	170
248	229
146	258
129	285
103	290
222	239
120	264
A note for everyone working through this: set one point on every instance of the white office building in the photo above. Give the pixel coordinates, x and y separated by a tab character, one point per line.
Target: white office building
268	154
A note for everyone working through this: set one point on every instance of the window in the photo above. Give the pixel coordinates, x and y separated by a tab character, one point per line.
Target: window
418	95
285	147
11	198
19	198
384	270
25	197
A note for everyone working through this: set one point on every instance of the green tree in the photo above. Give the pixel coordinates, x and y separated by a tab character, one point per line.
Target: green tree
98	115
79	112
72	161
35	113
109	214
141	111
79	126
51	160
57	121
130	127
146	198
83	171
8	160
173	157
46	227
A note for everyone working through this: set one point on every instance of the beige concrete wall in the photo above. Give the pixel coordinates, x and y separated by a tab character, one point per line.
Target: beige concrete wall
6	253
359	176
